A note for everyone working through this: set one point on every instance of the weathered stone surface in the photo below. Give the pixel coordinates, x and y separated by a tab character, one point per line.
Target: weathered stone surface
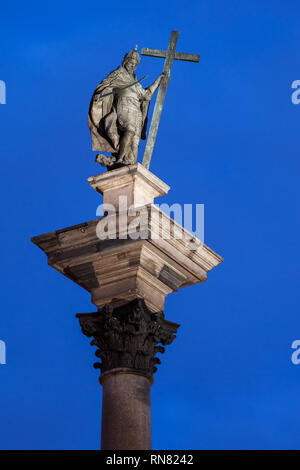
126	268
139	185
171	278
126	411
128	336
121	268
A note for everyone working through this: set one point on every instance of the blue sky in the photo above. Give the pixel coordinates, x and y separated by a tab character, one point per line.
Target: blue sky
228	138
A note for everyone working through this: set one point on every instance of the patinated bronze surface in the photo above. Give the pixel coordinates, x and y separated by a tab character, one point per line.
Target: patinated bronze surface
169	56
118	114
119	108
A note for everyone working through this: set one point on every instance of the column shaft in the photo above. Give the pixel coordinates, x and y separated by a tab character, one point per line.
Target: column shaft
126	411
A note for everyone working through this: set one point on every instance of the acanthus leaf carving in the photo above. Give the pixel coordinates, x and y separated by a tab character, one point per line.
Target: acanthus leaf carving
128	336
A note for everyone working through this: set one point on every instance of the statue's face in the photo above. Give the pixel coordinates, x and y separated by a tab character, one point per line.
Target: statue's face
131	64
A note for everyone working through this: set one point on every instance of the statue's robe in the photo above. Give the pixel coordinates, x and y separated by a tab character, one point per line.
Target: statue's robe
103	119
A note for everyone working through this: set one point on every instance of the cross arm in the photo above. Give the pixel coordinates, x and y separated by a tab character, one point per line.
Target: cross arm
187	57
163	54
154	52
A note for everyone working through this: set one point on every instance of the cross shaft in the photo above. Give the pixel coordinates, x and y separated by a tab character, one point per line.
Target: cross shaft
169	56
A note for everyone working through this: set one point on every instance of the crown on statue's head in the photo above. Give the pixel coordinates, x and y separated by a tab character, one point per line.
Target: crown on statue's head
133	55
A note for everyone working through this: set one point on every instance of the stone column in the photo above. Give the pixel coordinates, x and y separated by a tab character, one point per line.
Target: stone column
127	339
128	277
126	410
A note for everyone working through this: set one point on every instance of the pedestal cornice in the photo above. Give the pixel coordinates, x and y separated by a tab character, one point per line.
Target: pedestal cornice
119	270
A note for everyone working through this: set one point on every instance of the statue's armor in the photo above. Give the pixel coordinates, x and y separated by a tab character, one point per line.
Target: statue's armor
129	111
118	113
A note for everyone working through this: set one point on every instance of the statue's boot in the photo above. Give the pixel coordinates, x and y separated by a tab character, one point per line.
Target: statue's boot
119	160
104	160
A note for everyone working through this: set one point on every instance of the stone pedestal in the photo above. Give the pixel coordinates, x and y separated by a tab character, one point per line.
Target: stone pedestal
139	185
120	268
128	272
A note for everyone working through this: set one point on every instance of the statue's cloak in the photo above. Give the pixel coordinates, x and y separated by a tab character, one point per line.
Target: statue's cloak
102	119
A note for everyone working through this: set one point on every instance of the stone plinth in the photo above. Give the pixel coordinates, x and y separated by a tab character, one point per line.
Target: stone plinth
139	185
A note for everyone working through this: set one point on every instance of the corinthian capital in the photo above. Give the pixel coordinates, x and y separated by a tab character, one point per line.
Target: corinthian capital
128	336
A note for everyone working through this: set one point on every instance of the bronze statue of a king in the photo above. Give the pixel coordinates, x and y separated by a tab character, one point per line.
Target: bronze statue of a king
118	114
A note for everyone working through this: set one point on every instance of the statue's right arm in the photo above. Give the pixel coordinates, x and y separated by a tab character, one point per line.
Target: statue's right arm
113	80
152	88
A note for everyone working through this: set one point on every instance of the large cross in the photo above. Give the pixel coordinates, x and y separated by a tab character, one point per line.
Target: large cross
169	56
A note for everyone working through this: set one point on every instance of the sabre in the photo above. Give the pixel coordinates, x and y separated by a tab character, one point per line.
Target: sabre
117	90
